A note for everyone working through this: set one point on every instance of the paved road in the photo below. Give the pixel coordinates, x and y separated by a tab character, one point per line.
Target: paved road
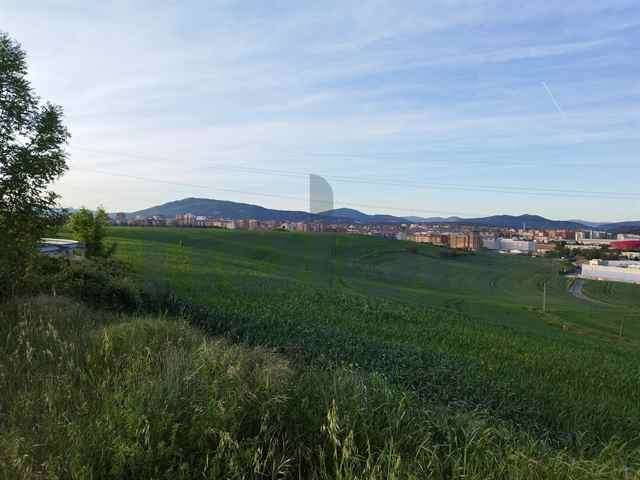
576	291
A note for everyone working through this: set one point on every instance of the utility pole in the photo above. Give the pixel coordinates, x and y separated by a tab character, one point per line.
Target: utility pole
621	326
544	298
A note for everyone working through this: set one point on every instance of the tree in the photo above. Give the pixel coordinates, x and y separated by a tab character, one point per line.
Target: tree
32	155
91	229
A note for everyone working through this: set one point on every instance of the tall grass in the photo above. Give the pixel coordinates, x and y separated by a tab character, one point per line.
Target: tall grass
90	394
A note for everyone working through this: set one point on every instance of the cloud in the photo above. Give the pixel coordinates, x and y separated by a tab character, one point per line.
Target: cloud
267	85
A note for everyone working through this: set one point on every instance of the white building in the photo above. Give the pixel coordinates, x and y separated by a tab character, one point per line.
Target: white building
627	236
61	247
509	245
612	271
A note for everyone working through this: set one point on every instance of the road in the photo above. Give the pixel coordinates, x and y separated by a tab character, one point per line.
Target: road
576	291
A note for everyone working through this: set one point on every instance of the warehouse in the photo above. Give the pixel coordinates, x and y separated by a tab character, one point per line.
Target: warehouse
625	245
612	271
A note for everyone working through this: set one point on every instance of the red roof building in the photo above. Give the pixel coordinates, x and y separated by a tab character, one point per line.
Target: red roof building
625	245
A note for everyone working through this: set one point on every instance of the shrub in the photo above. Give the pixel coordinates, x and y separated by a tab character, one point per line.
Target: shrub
97	281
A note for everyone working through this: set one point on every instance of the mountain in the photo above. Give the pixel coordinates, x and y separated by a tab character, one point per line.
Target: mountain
622	227
434	219
237	211
529	221
588	223
356	216
225	209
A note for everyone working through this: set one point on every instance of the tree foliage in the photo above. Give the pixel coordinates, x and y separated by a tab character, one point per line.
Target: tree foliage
91	229
32	155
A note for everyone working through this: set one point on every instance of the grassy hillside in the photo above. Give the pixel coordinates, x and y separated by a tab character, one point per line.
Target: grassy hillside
88	394
465	330
614	293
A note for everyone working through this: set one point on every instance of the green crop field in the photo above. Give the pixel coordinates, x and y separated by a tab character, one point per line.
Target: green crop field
464	330
614	292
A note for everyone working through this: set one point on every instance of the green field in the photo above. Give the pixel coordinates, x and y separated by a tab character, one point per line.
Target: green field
614	292
90	394
464	330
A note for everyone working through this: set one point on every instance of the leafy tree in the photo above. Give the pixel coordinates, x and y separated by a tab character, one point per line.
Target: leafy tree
32	155
91	228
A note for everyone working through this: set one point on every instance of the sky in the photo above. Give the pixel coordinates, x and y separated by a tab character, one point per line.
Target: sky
434	108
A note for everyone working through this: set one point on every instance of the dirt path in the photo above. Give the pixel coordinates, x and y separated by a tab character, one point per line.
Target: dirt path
576	291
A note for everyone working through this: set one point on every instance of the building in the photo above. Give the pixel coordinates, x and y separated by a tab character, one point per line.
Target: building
432	238
509	245
560	234
625	245
612	271
591	235
465	241
121	218
545	248
316	227
185	219
61	247
573	247
595	241
253	224
299	227
402	233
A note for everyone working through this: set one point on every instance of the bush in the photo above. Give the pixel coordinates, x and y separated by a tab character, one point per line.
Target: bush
97	281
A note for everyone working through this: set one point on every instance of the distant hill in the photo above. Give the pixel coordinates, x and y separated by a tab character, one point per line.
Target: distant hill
588	223
434	219
225	209
356	216
237	211
529	221
622	227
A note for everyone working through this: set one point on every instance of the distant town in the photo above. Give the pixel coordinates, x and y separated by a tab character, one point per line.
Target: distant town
459	236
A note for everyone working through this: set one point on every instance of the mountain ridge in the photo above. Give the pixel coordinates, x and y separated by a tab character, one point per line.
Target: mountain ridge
239	211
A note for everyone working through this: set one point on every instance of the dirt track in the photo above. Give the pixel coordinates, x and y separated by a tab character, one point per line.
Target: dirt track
576	291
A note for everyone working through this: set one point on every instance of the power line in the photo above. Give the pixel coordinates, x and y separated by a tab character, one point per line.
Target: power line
389	156
515	190
273	195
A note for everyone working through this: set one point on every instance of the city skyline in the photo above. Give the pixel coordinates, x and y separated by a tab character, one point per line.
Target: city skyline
469	108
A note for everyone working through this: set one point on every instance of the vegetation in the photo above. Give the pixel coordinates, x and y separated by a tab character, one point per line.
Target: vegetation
615	292
117	396
220	354
465	330
32	140
91	229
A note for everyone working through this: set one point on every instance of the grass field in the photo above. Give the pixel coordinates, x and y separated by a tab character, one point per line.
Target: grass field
614	292
462	330
90	394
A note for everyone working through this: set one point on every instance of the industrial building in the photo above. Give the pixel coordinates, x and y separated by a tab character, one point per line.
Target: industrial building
612	271
625	245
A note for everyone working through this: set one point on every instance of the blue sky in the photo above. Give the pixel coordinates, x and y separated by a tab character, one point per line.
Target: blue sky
429	108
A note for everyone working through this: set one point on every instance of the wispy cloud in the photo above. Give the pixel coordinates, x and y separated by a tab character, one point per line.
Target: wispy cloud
438	82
